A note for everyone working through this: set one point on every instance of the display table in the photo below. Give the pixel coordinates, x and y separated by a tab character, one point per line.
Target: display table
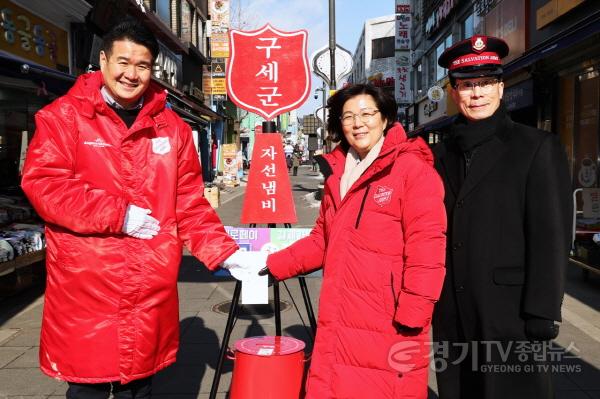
22	261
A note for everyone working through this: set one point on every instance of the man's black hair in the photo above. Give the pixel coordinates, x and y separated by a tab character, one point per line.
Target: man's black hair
132	30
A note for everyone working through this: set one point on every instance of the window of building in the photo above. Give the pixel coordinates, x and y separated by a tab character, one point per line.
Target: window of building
431	67
419	79
163	10
467	27
441	72
383	47
186	21
448	40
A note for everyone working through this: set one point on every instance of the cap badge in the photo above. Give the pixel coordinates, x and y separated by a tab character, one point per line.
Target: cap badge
478	44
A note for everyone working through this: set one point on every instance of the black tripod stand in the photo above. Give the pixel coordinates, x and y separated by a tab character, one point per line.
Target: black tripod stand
233	312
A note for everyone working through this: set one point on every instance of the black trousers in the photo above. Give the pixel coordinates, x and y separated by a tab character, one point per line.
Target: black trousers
138	389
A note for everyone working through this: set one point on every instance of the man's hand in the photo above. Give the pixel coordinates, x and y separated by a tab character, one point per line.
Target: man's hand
537	329
244	265
139	224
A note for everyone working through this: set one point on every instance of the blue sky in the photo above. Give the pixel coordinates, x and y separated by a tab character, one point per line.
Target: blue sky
312	15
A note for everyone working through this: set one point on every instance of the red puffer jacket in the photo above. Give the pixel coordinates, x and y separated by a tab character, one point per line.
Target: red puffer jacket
111	306
382	249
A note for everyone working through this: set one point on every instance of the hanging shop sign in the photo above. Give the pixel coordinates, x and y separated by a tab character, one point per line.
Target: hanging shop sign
217	69
268	72
168	66
518	96
219	27
402	91
30	37
430	107
439	15
435	94
507	21
230	165
552	10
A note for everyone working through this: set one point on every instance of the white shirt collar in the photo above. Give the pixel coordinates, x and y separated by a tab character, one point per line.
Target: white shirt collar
113	103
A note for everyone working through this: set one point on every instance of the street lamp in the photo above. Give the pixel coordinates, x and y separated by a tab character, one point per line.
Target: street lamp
324	92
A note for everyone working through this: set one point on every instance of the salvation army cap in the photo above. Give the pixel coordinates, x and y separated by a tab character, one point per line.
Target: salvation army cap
475	57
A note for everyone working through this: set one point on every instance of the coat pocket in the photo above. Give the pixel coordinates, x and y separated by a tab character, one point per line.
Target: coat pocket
509	276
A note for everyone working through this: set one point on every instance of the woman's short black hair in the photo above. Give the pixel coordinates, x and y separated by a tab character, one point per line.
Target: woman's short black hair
385	103
132	30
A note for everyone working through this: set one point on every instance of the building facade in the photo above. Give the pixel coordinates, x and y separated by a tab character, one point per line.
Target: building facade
44	46
374	57
551	75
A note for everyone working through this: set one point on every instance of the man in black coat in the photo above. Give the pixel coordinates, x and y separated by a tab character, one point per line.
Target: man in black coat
508	200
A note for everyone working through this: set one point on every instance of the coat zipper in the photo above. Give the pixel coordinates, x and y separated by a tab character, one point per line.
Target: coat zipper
362	205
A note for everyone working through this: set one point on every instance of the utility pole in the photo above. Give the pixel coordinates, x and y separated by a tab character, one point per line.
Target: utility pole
332	82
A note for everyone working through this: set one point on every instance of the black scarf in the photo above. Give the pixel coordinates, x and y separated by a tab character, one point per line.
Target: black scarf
471	134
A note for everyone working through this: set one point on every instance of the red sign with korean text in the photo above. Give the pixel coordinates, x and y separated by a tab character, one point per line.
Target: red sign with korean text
268	194
268	72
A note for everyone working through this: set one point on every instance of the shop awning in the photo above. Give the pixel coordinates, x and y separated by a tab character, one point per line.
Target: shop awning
54	81
435	124
178	96
188	115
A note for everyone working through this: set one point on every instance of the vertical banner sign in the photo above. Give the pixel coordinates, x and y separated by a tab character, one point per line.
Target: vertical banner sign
403	43
230	166
217	67
219	17
268	71
268	194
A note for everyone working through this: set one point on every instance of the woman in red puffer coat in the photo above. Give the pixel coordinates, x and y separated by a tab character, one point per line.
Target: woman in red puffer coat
380	238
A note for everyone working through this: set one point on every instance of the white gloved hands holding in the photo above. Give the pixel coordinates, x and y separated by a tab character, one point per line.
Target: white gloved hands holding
139	224
244	265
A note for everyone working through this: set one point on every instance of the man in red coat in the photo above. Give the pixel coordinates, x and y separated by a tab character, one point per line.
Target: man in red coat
116	177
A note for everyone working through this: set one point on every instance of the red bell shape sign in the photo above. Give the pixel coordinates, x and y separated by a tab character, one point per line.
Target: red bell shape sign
268	194
268	72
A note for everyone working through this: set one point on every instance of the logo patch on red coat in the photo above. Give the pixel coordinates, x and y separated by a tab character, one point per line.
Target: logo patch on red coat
383	195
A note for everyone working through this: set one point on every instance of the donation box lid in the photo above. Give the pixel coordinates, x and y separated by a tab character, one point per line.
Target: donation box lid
269	345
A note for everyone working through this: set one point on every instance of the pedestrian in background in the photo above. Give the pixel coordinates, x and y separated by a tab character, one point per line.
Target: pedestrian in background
380	239
115	175
509	211
296	157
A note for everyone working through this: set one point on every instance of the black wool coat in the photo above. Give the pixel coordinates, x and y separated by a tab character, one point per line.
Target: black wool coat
509	231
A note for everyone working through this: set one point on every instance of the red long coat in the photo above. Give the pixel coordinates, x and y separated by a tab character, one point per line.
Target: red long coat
382	249
111	306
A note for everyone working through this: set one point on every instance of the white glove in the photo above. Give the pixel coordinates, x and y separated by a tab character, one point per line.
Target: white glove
139	224
244	265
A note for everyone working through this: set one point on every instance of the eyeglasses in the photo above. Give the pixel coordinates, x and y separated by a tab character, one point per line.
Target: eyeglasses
365	117
467	86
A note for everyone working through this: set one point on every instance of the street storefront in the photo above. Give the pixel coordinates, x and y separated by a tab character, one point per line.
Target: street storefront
34	63
552	82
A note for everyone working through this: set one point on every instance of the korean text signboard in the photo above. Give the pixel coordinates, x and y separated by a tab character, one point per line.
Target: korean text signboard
26	35
219	16
403	45
268	194
268	71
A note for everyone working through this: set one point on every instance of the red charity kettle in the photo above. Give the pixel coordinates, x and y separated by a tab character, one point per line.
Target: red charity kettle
268	367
